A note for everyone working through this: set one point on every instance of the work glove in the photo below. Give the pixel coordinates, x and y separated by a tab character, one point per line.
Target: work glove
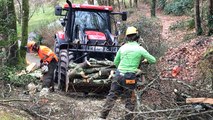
44	69
145	61
43	63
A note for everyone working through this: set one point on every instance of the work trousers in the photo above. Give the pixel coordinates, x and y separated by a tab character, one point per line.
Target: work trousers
119	87
48	78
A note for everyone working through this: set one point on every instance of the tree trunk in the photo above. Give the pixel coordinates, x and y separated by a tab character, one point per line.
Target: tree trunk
198	27
12	34
124	3
119	5
210	18
25	17
130	3
136	3
90	2
19	16
100	2
153	6
111	2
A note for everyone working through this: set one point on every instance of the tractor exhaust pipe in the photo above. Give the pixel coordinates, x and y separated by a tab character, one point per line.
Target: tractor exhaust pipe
69	3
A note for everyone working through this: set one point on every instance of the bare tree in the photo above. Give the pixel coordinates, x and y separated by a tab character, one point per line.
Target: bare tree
101	2
130	3
119	5
198	27
210	18
136	3
153	7
25	19
19	11
90	2
124	3
111	2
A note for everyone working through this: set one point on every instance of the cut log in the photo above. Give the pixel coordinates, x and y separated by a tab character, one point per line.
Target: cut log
78	70
199	100
91	70
112	73
104	72
31	67
101	62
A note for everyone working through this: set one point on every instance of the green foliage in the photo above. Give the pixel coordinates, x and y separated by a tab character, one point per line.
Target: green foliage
161	4
189	36
2	16
179	7
183	24
41	18
9	75
6	21
5	115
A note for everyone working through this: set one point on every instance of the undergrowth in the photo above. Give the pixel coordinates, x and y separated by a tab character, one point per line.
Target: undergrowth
9	75
183	24
179	7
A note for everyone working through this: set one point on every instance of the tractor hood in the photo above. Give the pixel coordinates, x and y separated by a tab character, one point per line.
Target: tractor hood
95	35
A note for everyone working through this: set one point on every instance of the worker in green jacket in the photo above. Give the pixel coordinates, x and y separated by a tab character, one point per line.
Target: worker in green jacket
127	61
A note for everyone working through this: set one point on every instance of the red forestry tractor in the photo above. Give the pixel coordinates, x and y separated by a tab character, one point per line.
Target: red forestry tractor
86	39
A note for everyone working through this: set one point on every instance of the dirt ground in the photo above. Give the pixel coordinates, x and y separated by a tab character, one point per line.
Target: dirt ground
56	105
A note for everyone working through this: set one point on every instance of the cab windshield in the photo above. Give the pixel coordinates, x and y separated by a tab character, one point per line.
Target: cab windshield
91	20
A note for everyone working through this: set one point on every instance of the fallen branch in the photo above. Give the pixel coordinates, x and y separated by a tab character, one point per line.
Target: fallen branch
199	100
149	84
33	113
27	110
11	100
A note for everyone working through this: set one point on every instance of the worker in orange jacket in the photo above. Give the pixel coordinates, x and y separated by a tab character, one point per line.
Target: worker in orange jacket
48	62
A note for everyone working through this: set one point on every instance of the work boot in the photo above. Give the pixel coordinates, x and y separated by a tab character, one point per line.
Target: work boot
103	115
106	108
105	111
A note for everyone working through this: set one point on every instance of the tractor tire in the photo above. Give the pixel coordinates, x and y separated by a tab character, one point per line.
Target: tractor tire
56	48
63	68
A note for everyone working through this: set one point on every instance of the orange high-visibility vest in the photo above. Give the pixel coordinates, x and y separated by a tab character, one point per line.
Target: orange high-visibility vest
46	54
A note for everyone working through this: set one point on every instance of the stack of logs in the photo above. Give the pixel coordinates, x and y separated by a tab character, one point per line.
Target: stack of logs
91	71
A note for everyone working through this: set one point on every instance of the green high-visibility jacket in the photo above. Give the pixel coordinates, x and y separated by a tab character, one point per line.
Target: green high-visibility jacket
129	57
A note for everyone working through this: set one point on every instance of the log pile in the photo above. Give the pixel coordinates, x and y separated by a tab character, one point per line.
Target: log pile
91	71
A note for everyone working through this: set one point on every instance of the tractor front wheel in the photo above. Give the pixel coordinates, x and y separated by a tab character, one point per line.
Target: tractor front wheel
62	69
